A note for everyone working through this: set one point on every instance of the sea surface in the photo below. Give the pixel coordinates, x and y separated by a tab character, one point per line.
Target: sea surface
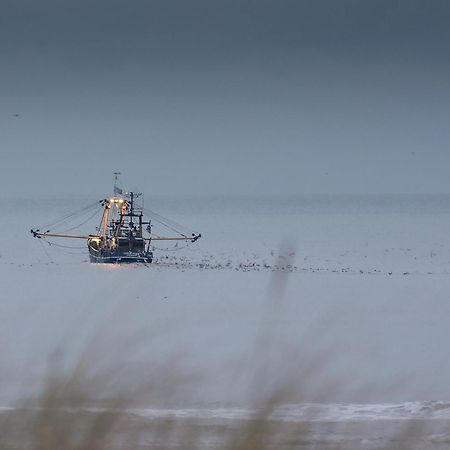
344	299
356	234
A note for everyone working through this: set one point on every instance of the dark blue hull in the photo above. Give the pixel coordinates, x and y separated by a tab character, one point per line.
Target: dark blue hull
119	257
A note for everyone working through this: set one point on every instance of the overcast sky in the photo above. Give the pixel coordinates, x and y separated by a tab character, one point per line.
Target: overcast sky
225	96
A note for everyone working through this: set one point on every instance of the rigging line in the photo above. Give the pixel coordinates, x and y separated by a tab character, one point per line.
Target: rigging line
160	217
173	249
54	244
45	251
165	221
172	223
74	227
79	212
68	216
65	252
82	223
169	227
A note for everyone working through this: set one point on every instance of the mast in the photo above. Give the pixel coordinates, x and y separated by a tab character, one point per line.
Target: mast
117	189
105	221
131	206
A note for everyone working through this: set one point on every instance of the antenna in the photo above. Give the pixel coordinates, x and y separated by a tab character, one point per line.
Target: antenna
117	189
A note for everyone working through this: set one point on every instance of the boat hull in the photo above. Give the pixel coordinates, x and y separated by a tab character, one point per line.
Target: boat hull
119	257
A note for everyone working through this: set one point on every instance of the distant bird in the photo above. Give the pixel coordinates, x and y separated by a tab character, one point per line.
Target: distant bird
16	115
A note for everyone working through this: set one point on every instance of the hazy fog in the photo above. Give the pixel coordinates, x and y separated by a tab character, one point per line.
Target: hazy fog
225	97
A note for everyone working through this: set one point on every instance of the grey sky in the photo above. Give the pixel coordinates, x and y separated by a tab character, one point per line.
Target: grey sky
225	97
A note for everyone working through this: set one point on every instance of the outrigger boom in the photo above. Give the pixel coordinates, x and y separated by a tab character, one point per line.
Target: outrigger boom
39	235
120	236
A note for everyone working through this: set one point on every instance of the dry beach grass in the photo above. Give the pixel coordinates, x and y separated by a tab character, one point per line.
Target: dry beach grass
67	416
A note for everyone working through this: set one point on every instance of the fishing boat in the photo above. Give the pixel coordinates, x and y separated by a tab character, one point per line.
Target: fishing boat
124	235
